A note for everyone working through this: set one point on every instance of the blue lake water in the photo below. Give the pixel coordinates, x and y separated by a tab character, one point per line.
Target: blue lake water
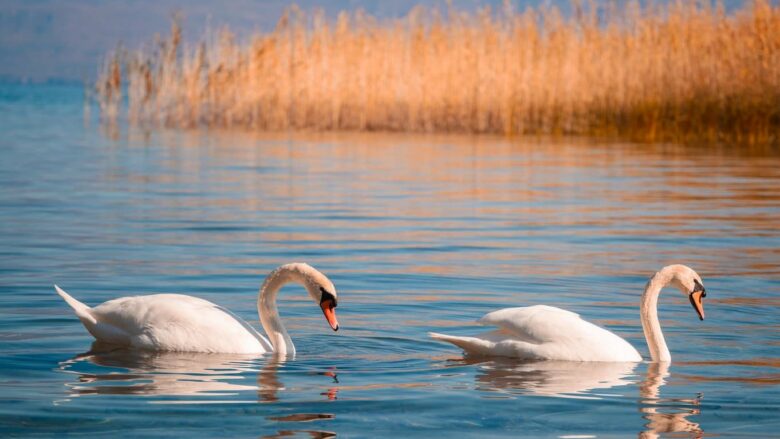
418	233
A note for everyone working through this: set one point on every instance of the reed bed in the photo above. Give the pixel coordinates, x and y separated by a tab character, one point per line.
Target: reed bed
685	70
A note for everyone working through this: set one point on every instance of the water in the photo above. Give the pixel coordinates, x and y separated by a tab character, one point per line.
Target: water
419	234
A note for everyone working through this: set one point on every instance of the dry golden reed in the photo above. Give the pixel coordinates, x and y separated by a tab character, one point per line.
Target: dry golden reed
685	70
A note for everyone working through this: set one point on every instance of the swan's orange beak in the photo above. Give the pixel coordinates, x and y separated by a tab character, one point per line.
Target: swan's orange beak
329	309
695	298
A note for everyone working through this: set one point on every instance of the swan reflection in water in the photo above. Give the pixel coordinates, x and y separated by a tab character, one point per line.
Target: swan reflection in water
590	380
674	419
552	378
189	374
136	372
298	433
157	373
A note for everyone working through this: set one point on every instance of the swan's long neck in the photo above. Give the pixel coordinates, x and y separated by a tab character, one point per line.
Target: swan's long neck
269	315
648	310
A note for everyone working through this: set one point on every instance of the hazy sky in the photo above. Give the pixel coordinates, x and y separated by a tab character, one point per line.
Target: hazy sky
66	39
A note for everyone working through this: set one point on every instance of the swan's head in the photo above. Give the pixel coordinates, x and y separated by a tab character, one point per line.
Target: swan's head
321	289
690	283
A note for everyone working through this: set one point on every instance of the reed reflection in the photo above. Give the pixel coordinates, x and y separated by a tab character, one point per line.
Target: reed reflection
352	196
665	415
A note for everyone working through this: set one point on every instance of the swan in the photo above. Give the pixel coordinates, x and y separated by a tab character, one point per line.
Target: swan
179	323
548	333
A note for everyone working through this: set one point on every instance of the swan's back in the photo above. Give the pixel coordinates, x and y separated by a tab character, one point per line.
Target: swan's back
173	322
544	333
535	324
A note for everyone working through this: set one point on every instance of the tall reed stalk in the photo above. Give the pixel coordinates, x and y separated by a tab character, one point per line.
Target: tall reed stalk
685	70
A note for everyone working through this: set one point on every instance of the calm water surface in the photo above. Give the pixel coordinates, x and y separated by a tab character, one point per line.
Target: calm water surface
419	234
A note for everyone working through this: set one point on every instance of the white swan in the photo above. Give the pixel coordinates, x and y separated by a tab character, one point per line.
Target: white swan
547	333
179	323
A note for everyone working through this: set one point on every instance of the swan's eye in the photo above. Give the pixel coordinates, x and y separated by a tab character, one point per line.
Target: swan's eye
328	296
697	286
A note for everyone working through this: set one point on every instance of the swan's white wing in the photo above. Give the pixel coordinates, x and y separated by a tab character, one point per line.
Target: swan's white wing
536	324
558	334
174	322
489	344
546	333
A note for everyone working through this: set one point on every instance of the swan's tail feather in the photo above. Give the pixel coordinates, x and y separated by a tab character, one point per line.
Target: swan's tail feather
82	311
471	345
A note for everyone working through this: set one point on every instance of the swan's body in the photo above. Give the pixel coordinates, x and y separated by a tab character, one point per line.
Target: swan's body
179	323
544	333
171	322
548	333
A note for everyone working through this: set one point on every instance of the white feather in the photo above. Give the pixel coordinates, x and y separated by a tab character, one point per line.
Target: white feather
173	322
544	333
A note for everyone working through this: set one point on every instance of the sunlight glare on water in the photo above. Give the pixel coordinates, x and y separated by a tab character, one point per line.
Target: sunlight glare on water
419	234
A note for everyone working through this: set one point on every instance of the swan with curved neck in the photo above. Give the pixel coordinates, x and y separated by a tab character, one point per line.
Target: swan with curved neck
547	333
175	322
